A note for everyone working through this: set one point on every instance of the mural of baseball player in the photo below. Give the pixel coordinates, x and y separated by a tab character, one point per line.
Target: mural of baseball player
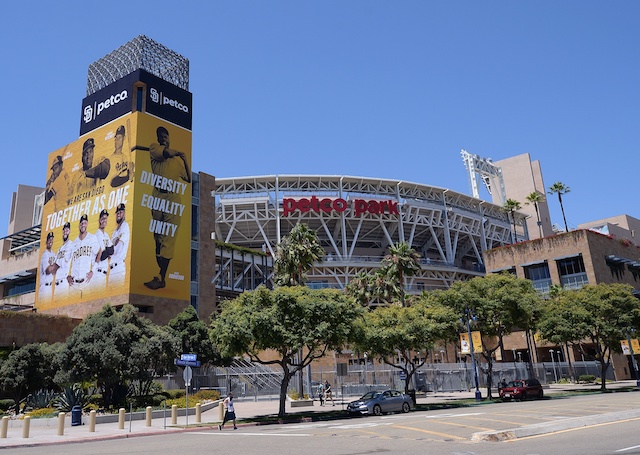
106	250
90	176
120	239
47	271
172	165
63	259
85	250
120	161
58	185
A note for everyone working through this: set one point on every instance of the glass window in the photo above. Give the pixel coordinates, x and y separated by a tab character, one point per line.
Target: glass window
572	272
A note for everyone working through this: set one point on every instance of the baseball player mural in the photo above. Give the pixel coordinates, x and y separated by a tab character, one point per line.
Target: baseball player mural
63	259
106	250
47	270
57	188
85	250
120	239
90	176
121	162
171	173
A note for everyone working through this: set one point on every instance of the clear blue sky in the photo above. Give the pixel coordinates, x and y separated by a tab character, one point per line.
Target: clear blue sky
388	89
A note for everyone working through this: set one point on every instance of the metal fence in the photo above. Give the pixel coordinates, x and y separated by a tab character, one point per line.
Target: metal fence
258	381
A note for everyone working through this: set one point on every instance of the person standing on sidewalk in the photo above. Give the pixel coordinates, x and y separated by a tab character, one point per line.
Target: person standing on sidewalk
229	412
321	393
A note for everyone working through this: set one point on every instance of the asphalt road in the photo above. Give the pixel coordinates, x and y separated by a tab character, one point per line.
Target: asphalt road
432	432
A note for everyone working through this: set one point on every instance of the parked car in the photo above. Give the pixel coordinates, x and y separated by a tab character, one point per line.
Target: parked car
521	389
377	402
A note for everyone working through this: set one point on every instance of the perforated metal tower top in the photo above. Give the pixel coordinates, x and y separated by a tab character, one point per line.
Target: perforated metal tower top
139	53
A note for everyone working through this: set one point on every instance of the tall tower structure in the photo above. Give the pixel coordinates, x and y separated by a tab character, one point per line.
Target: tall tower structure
117	211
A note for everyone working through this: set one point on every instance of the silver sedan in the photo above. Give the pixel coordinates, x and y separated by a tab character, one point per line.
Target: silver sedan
377	402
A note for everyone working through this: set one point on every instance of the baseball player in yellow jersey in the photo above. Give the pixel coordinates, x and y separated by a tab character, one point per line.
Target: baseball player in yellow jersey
120	162
171	164
106	250
90	176
47	271
85	250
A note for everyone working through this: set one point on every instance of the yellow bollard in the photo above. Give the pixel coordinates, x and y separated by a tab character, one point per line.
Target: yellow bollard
198	413
5	427
148	416
121	419
61	416
174	414
92	421
26	423
220	411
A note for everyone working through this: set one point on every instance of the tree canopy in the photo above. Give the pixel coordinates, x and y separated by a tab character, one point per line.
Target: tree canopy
271	327
295	255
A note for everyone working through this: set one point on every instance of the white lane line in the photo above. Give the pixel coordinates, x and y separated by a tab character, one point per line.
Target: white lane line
242	433
627	448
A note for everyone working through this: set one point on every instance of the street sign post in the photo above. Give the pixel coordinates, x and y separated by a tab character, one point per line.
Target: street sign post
188	357
187	375
186	363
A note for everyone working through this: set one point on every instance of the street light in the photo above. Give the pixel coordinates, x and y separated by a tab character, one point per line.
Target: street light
473	357
555	375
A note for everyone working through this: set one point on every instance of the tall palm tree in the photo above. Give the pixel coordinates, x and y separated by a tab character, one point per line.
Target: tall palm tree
512	206
402	261
296	254
560	188
536	198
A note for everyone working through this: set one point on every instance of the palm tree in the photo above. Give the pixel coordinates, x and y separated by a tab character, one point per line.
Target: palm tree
295	256
560	188
536	198
402	261
512	206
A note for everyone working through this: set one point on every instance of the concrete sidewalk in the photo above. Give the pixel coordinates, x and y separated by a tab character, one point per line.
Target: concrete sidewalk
45	431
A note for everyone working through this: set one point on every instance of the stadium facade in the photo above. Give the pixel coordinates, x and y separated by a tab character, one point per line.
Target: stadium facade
358	218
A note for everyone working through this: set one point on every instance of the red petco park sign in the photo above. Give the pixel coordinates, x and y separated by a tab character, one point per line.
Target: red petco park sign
327	205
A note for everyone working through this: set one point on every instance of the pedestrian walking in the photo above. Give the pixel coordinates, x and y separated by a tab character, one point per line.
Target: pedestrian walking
327	393
229	412
321	393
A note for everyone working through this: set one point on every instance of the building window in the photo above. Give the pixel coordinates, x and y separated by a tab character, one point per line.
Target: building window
572	273
194	265
539	276
21	287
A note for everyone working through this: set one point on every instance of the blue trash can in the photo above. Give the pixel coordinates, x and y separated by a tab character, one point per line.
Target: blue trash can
76	416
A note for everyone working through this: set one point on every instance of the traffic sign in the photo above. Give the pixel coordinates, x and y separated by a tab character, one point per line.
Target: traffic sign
186	363
187	375
188	357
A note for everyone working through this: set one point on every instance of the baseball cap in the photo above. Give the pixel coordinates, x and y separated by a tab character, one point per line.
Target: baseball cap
120	130
84	218
103	212
120	207
66	225
57	160
88	144
49	235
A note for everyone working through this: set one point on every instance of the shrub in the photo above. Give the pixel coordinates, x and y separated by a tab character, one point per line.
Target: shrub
211	395
6	404
175	393
40	399
70	397
586	378
43	413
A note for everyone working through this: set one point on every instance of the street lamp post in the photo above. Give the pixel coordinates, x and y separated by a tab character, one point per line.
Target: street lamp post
553	364
473	357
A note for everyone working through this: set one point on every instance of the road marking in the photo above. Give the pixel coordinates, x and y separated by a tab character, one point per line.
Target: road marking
573	429
242	433
627	448
437	433
465	426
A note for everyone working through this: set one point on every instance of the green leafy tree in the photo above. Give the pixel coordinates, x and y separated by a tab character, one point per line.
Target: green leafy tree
601	314
536	199
394	334
271	327
361	288
295	256
560	188
511	207
111	348
194	335
28	369
401	262
500	304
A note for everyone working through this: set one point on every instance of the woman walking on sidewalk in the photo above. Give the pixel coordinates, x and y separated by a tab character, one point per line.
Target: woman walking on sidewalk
229	412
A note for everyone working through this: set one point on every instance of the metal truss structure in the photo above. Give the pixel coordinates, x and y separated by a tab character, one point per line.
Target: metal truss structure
450	230
139	53
490	174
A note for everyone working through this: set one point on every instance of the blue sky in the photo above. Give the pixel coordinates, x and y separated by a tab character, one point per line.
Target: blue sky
366	88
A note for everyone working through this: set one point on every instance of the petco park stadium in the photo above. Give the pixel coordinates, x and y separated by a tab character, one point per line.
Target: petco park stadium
357	218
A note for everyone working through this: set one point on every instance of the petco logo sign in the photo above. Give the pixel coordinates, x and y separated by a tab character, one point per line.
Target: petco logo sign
327	205
158	97
92	111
